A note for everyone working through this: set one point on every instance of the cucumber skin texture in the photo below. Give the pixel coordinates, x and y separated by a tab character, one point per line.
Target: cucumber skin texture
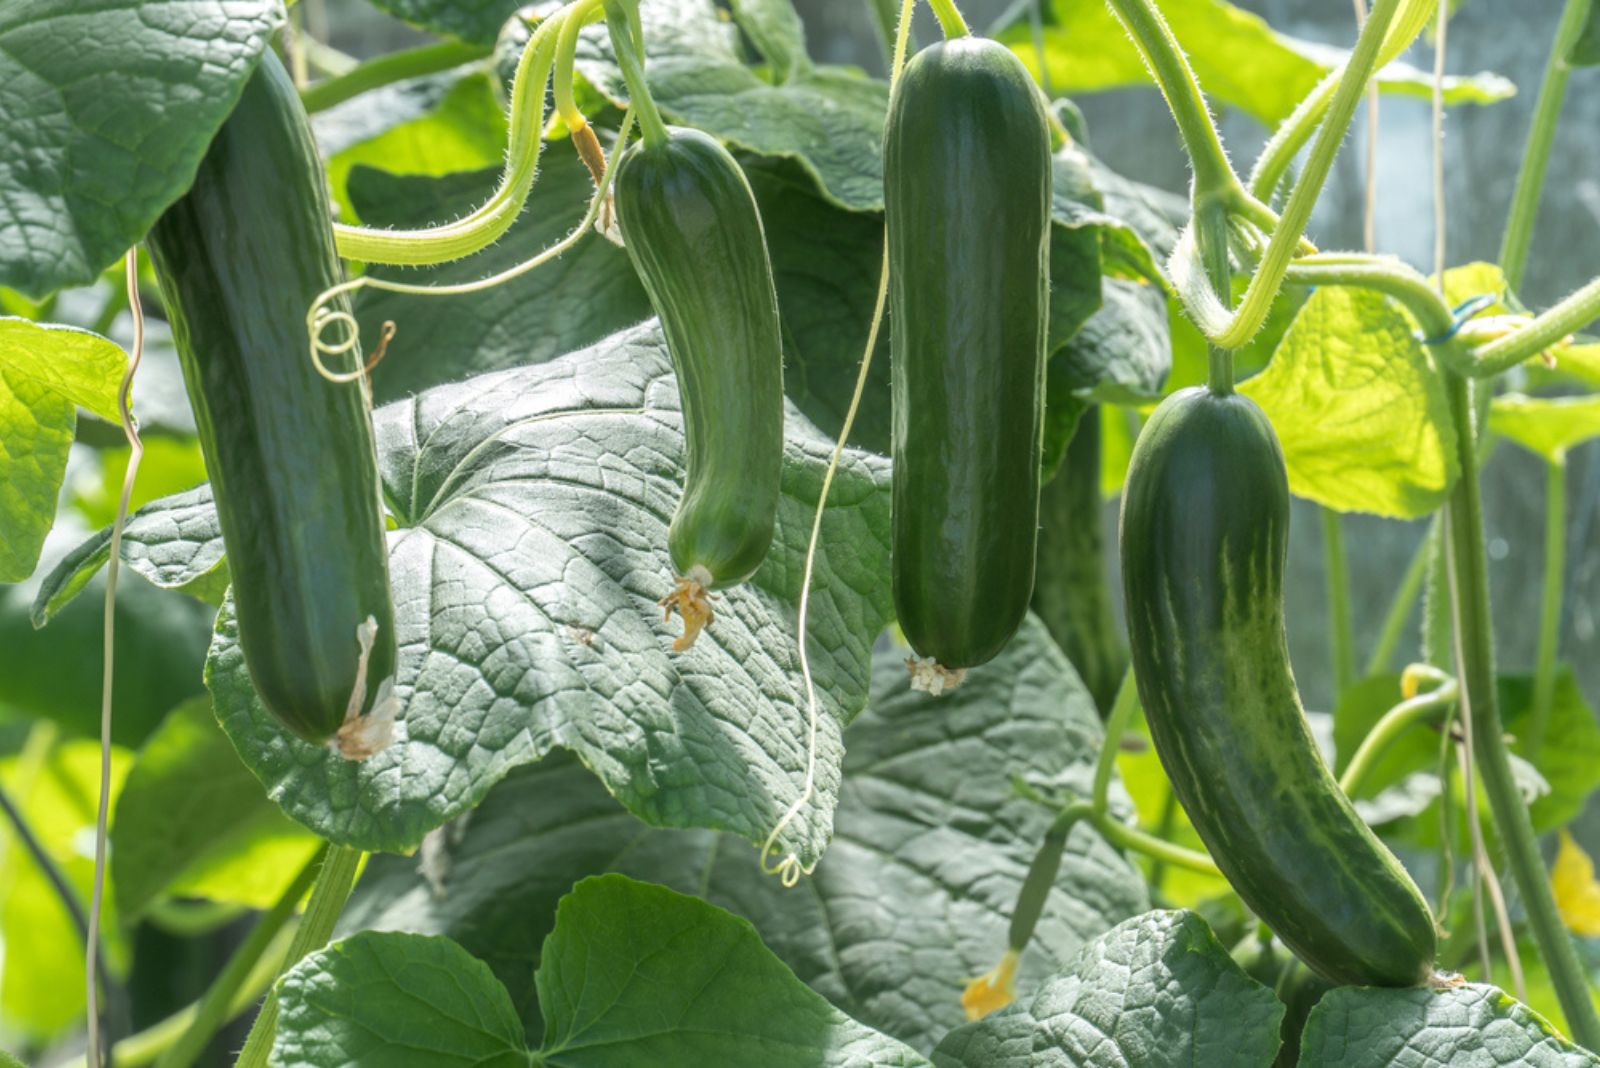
1205	524
692	230
967	199
240	258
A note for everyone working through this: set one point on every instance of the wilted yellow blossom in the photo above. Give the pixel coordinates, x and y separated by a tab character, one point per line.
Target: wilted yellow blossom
993	990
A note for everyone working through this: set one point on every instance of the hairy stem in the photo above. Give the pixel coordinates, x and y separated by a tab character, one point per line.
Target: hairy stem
334	880
1555	562
1518	236
1400	609
1341	638
1474	649
388	69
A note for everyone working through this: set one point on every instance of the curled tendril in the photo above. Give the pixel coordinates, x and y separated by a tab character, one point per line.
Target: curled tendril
323	316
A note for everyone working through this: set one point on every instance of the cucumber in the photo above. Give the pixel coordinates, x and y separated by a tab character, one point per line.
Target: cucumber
966	157
1205	524
240	258
690	225
1072	588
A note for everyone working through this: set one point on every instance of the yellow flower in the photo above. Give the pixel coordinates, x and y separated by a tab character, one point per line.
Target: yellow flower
992	991
1577	893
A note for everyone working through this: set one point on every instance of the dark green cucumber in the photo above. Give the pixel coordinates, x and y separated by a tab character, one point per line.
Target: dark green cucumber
694	235
1205	525
240	258
966	161
1072	588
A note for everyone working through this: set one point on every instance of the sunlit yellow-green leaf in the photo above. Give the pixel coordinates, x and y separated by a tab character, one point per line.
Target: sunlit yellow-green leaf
1238	58
1548	426
46	373
1359	409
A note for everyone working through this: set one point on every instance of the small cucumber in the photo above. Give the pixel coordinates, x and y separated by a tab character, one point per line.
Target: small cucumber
966	158
1205	526
692	230
240	257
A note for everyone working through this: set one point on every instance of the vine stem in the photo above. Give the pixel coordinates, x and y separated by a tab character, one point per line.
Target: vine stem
1152	37
1577	310
1518	236
627	41
130	430
388	69
950	20
334	880
1394	723
1555	562
1341	638
1474	651
1205	306
215	1008
483	226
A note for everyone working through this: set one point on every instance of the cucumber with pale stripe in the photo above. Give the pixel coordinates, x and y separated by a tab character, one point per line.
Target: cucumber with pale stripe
1205	526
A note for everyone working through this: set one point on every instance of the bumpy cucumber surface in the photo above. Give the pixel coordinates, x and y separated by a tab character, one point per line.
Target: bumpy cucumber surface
1205	525
290	455
692	230
966	160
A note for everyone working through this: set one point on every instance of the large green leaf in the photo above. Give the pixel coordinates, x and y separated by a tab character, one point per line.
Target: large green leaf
632	974
1238	58
109	106
533	506
1158	991
192	820
1359	409
395	1001
1471	1024
46	373
913	898
575	301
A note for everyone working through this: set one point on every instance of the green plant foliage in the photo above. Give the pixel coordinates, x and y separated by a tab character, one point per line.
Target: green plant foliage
191	820
46	373
631	974
929	850
1238	58
1468	1024
80	180
1359	410
532	511
1158	990
1546	427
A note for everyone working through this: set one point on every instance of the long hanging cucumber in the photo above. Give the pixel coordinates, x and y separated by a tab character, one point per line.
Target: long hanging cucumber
1072	590
966	157
1205	526
240	258
693	232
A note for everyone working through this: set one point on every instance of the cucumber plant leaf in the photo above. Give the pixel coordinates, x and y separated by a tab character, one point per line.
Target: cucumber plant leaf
46	373
532	508
1157	990
1358	407
930	847
1546	426
1468	1024
109	106
573	302
1237	57
192	820
631	974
